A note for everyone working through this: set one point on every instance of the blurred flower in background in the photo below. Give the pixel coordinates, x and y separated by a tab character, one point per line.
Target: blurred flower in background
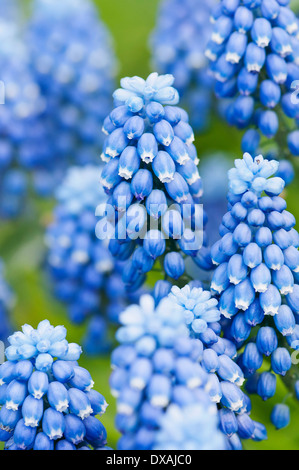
178	47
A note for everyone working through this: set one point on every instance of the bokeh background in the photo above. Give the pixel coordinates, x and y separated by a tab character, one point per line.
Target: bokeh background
22	243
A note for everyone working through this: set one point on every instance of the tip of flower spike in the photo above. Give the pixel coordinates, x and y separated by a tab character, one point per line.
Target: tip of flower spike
135	92
256	175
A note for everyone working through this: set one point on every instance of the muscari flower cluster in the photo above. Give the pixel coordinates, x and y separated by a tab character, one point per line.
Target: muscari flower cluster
75	73
46	398
178	47
257	275
254	53
152	179
173	363
6	303
84	274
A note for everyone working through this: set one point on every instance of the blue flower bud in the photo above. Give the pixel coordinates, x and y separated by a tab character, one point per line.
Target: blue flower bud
280	416
147	147
250	143
268	123
274	257
97	402
42	442
243	19
116	143
242	235
161	290
266	387
38	384
284	280
228	422
232	396
261	32
154	111
7	372
260	278
23	370
281	361
95	432
243	109
222	29
270	94
210	360
142	184
9	419
163	132
254	315
263	237
230	371
15	395
227	303
270	301
53	424
129	163
214	388
240	330
64	445
164	167
293	299
280	42
179	151
282	238
276	68
159	391
255	58
81	379
32	411
58	396
134	128
236	47
246	426
62	371
270	9
140	374
122	196
74	429
252	255
236	269
177	188
156	204
266	340
244	295
154	243
293	143
184	131
285	321
220	280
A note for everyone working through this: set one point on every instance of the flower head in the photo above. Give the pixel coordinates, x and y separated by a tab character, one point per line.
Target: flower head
152	179
257	274
47	401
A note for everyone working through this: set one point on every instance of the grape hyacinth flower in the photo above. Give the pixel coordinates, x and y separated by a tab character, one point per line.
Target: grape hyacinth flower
85	276
172	362
178	47
256	278
6	304
156	378
152	180
254	57
20	111
75	72
47	400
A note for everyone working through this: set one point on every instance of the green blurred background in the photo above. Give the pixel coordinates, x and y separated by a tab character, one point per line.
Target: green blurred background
21	243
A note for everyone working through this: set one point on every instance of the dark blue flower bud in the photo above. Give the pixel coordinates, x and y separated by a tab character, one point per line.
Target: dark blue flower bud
252	359
254	315
228	422
42	442
174	265
240	330
266	387
24	436
281	361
